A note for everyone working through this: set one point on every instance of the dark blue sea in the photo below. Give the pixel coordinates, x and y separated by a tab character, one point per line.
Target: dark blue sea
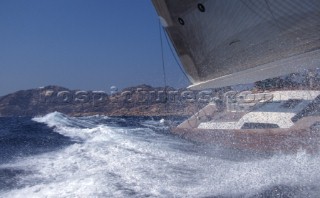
98	156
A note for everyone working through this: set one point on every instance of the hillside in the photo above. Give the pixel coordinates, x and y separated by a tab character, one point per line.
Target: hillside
141	100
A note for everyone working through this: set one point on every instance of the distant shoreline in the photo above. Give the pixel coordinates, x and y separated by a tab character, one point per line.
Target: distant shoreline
142	100
139	101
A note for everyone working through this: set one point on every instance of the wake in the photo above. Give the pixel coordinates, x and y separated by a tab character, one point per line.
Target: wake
116	161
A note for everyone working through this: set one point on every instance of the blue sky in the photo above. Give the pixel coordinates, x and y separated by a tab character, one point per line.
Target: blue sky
82	44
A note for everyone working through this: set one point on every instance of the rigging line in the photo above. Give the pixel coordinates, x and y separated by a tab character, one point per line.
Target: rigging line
162	56
175	57
178	63
163	68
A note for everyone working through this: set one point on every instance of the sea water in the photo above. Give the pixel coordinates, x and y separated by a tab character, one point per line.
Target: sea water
98	156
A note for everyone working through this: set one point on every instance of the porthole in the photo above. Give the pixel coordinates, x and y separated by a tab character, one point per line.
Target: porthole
201	7
181	21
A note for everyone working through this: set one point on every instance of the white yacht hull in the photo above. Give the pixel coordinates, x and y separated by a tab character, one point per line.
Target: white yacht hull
229	128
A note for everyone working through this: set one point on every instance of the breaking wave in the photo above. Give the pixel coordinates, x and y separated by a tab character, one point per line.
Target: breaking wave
121	157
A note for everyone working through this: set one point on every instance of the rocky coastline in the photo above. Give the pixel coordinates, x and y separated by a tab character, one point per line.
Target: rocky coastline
141	100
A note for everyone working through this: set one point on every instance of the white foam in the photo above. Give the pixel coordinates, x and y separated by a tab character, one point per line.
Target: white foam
57	119
114	162
154	124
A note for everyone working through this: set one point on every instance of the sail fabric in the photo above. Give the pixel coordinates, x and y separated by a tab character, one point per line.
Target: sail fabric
226	42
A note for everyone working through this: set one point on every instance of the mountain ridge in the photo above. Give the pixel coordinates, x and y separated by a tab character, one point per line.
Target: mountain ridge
142	100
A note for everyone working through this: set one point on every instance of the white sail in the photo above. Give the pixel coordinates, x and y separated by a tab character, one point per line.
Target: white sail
227	42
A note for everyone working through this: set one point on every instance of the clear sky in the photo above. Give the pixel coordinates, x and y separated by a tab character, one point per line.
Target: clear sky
82	44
